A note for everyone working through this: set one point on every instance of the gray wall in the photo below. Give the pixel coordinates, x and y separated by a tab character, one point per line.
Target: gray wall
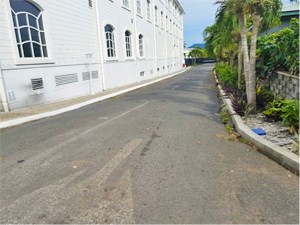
284	85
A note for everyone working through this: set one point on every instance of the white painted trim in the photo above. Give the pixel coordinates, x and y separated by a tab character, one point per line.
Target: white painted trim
15	122
100	45
3	92
136	41
108	22
33	60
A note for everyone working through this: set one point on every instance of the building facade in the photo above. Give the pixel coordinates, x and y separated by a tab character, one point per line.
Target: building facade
57	50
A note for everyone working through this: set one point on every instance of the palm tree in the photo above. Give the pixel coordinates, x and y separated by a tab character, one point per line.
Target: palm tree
254	11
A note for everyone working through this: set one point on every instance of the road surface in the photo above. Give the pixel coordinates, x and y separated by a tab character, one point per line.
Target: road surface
154	155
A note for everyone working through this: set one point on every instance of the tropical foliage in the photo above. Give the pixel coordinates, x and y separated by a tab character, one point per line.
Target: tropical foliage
280	50
235	33
284	110
198	53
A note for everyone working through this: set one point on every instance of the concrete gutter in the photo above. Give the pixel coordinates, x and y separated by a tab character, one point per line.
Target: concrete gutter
15	122
280	155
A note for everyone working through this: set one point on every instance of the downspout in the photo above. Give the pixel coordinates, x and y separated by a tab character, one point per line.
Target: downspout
100	45
3	92
136	42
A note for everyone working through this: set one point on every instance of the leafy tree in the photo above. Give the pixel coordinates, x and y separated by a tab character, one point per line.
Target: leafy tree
198	53
258	12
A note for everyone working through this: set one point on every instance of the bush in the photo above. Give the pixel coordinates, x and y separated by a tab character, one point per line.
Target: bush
280	50
284	110
263	96
238	99
227	75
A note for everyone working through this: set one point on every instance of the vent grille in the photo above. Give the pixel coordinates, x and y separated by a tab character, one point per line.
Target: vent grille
37	84
66	79
85	76
95	75
11	96
142	73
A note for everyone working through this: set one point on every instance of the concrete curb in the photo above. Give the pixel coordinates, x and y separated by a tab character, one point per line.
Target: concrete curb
15	122
280	155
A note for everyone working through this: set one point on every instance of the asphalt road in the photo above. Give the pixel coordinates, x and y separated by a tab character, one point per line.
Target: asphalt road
154	155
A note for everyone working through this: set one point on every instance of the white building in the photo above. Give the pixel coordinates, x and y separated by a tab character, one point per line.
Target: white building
48	47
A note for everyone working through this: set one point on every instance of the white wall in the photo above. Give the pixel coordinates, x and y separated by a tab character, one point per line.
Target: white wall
72	32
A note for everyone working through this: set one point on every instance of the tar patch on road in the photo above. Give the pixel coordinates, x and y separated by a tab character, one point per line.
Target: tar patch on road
148	144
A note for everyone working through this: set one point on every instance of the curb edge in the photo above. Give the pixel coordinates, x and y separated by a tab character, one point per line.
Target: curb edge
280	155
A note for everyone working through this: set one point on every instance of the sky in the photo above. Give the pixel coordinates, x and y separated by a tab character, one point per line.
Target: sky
199	14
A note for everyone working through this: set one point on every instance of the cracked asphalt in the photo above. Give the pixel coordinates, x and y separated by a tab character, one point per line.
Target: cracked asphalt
153	155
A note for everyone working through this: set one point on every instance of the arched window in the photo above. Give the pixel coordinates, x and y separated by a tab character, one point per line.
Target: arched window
110	41
162	19
126	3
139	7
167	22
29	29
128	43
141	45
148	10
156	16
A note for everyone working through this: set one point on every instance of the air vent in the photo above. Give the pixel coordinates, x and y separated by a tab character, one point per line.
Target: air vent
11	96
85	76
142	73
95	75
37	84
66	79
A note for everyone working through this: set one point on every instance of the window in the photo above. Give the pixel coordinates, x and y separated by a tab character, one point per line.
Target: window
128	44
110	41
139	7
167	23
156	16
90	3
148	10
126	3
162	18
29	29
141	45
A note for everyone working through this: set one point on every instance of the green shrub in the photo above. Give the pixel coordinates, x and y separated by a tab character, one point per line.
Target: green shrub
227	75
263	96
280	50
290	114
285	110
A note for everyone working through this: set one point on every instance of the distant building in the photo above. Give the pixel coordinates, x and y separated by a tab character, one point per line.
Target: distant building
51	50
187	51
288	12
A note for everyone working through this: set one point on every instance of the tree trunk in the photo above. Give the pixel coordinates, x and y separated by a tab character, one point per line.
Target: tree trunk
242	23
251	99
240	64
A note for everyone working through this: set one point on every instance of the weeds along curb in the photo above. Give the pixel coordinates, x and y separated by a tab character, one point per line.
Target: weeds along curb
280	155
